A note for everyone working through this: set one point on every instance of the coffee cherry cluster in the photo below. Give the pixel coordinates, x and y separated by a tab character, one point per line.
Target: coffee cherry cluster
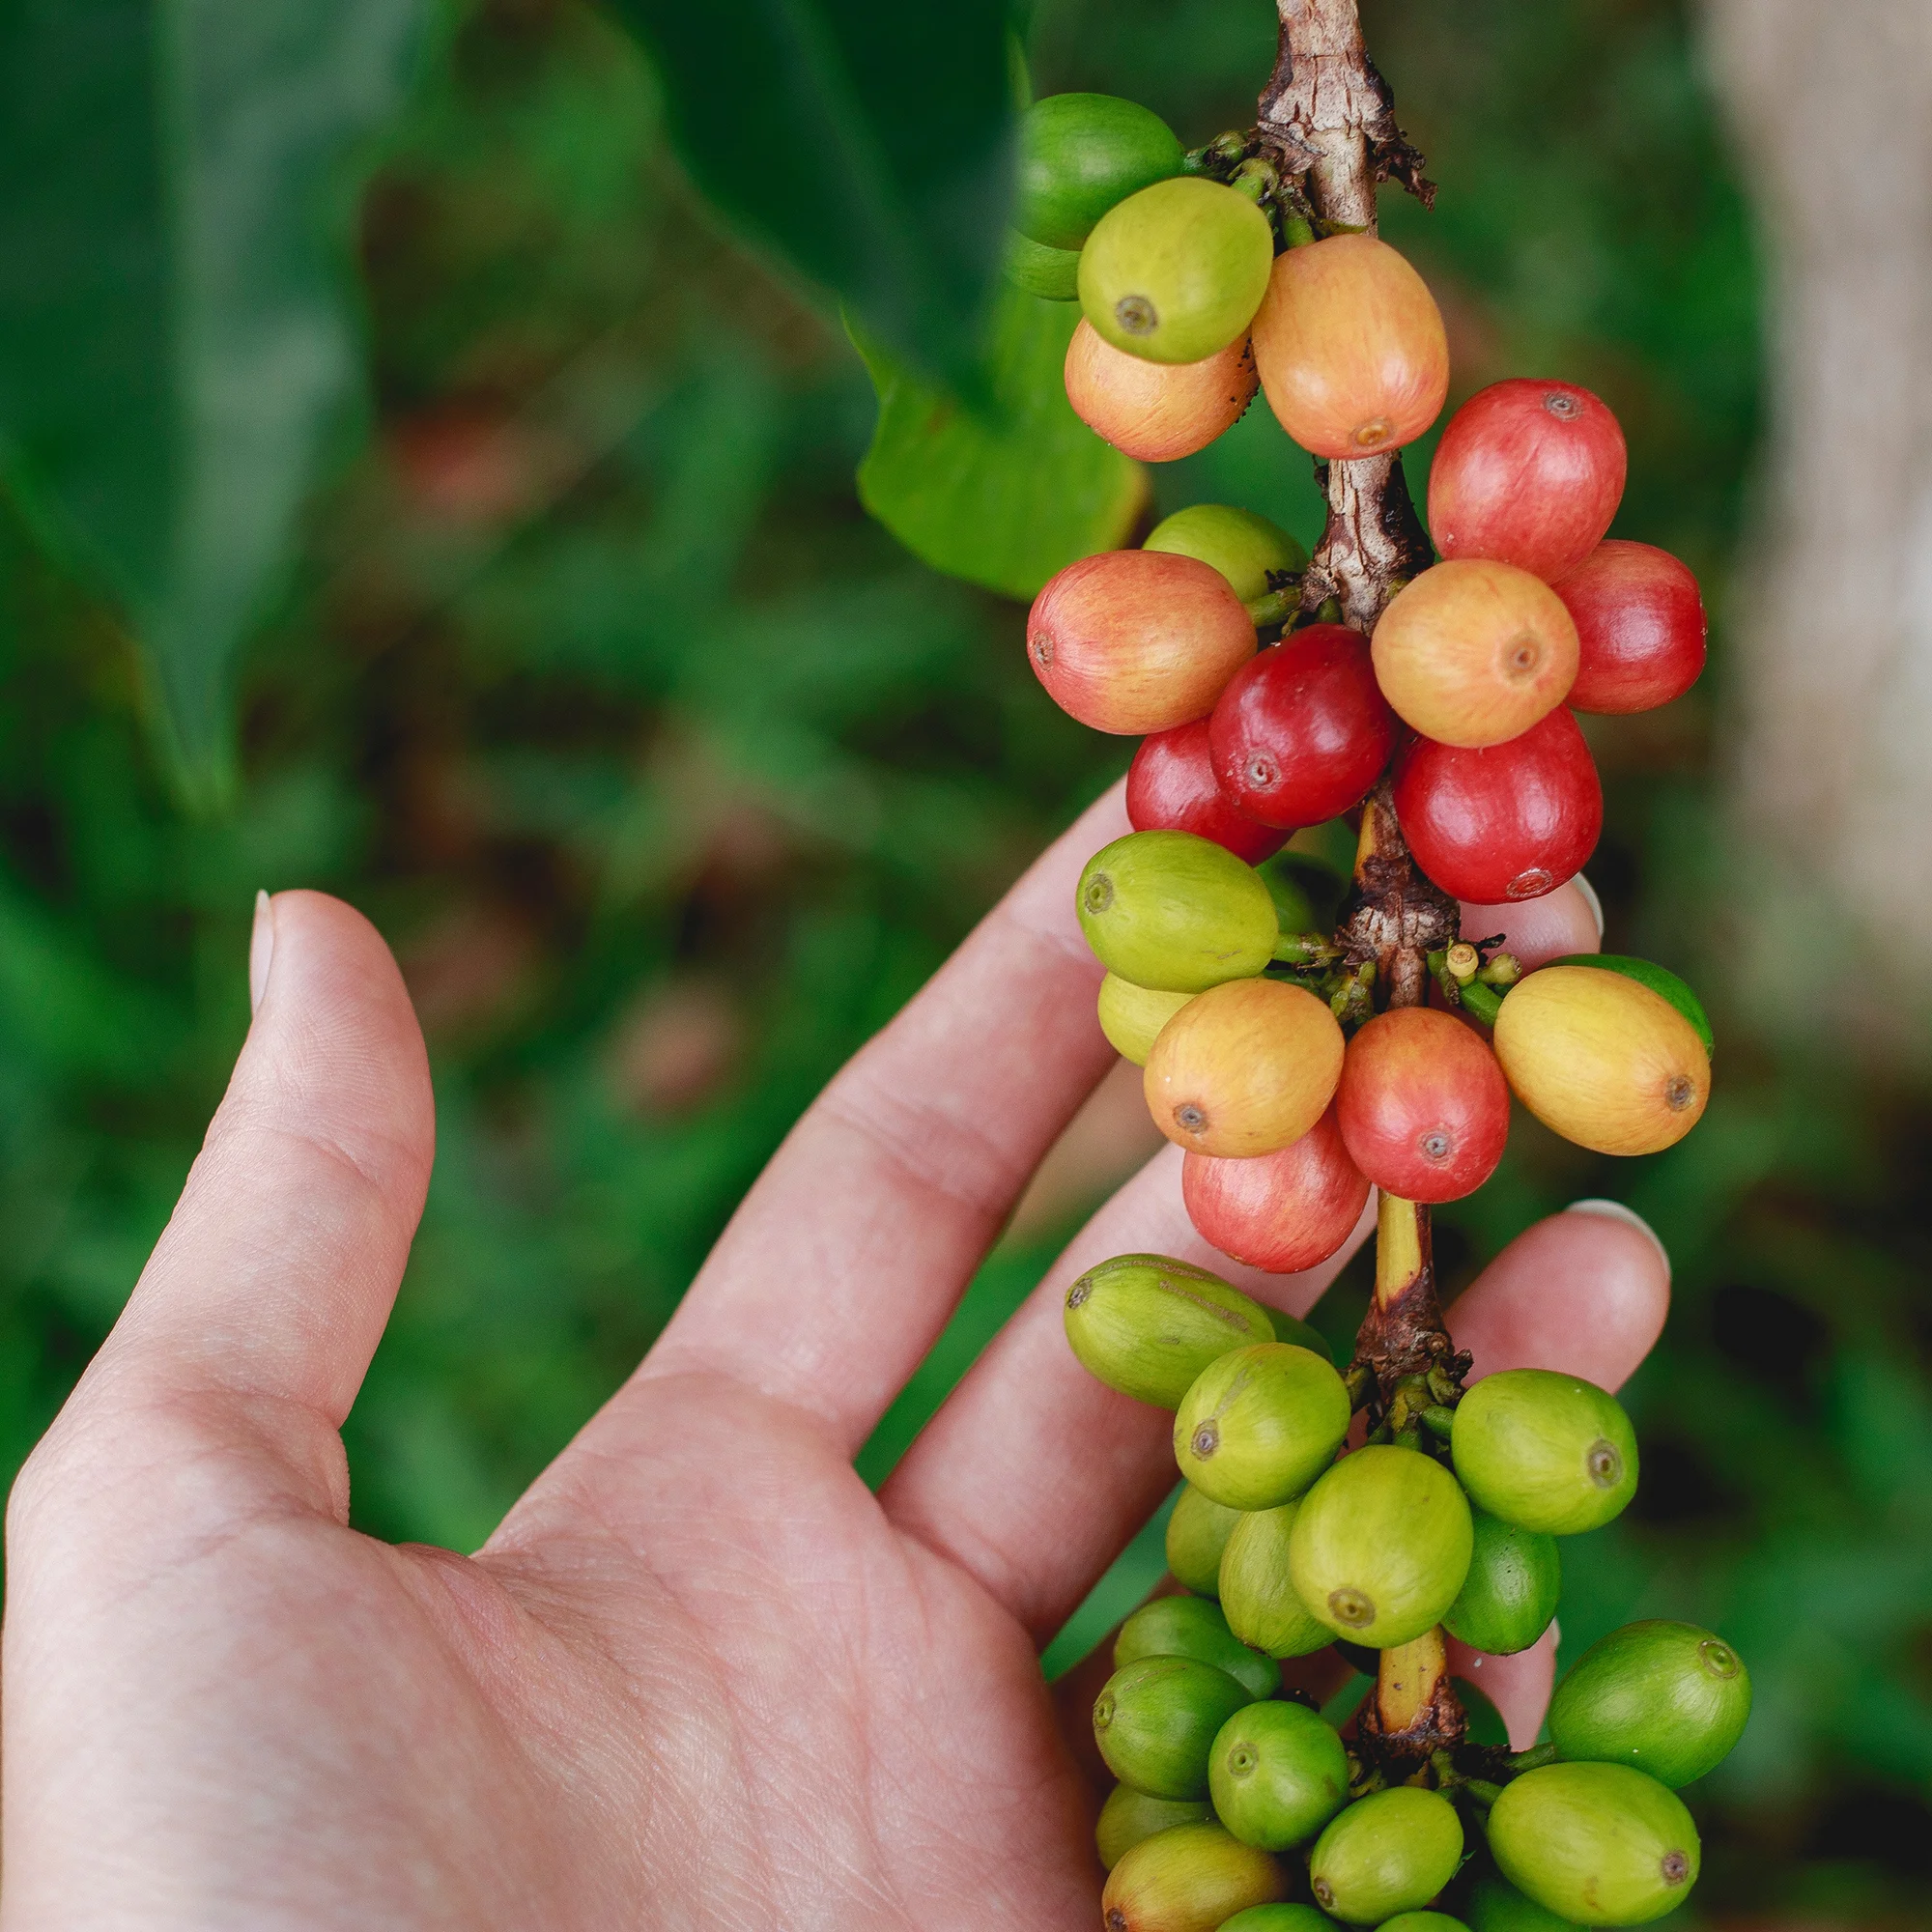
1234	1796
1245	985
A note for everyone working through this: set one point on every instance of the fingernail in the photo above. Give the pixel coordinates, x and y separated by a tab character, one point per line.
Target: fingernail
1591	900
1615	1211
261	951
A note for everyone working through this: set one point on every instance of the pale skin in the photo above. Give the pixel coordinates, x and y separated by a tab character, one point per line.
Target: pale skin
700	1677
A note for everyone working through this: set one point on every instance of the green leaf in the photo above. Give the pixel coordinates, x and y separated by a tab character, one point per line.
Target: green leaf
1006	497
869	143
175	342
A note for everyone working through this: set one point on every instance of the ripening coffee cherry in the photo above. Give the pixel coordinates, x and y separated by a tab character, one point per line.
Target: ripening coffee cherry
1148	1324
1256	1597
1510	1593
1531	473
1246	1069
1380	1547
1497	1906
1661	980
1672	1699
1278	1773
1194	1626
1390	1852
1509	821
1198	1531
1259	1424
1603	1061
1243	546
1544	1451
1423	1106
1080	153
1350	347
1301	731
1137	640
1641	627
1157	412
1280	1212
1192	1877
1598	1844
1473	653
1175	273
1155	1722
1170	786
1170	911
1132	1016
1128	1816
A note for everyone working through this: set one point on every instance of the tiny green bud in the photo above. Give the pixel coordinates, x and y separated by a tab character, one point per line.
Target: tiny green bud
1148	1324
1259	1425
1390	1852
1669	1698
1155	1722
1128	1816
1278	1773
1177	912
1198	1531
1194	1626
1544	1451
1256	1597
1192	1877
1510	1593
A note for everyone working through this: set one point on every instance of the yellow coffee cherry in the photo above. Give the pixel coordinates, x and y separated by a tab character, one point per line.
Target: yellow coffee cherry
1132	1016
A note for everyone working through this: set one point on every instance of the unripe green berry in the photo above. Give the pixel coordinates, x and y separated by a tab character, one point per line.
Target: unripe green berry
1423	1922
1080	154
1193	1877
1128	1816
1148	1324
1240	545
1669	1698
1390	1852
1598	1844
1256	1597
1194	1626
1510	1593
1177	912
1155	1723
1175	273
1544	1451
1051	274
1259	1425
1279	1918
1278	1773
1380	1546
1497	1906
1197	1533
1132	1016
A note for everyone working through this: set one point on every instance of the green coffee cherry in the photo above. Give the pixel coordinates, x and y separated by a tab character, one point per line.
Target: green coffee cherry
1197	1533
1307	894
1278	1773
1423	1922
1544	1451
1170	911
1598	1844
1080	153
1279	1918
1382	1546
1510	1593
1302	1334
1259	1425
1155	1723
1192	1877
1175	273
1390	1852
1256	1597
1240	545
1128	1816
1485	1721
1147	1324
1496	1906
1669	1698
1052	273
1194	1626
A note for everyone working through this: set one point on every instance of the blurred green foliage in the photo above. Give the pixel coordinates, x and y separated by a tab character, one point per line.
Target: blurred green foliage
670	776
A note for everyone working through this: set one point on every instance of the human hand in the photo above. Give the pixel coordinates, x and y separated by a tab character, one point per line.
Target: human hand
700	1677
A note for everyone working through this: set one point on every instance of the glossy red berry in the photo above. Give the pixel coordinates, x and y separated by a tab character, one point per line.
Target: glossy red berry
1508	821
1423	1107
1528	472
1303	731
1641	627
1279	1211
1171	787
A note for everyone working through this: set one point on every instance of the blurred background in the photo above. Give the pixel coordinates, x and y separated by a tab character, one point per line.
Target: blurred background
669	776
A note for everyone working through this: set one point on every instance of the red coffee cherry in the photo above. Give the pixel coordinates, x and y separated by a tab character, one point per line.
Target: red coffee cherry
1528	472
1509	821
1423	1107
1279	1211
1137	640
1302	729
1171	787
1156	410
1641	627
